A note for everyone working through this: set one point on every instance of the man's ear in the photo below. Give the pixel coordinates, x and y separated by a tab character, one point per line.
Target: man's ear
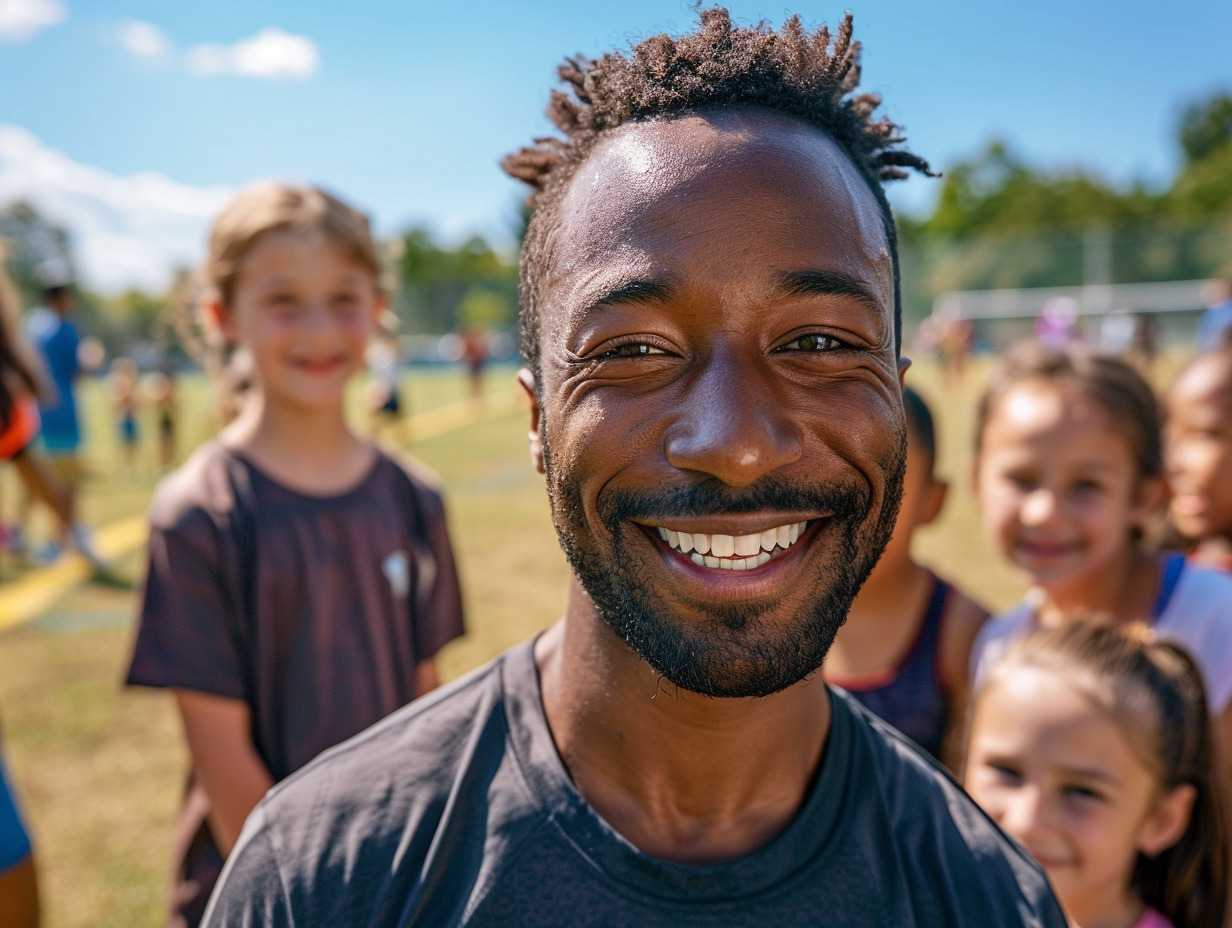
1167	823
903	364
527	381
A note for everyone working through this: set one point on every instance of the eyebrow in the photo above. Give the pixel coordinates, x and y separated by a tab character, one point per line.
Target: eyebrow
811	282
827	283
1091	773
635	291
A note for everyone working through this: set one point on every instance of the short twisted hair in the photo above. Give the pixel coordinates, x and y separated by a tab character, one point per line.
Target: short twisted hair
809	75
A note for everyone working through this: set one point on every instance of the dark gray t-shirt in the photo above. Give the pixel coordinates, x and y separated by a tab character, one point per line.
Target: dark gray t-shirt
458	811
313	610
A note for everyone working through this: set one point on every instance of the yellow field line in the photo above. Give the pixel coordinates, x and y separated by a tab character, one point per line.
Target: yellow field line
38	591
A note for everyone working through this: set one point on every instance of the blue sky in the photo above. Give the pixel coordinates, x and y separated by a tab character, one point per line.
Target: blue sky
406	107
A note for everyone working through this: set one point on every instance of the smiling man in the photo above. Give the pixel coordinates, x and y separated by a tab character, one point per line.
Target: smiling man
710	324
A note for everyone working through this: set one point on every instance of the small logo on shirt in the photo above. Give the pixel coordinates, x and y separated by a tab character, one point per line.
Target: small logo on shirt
397	570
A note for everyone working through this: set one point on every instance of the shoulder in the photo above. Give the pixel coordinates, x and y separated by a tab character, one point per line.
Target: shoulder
998	632
387	794
414	478
961	624
413	470
952	843
199	489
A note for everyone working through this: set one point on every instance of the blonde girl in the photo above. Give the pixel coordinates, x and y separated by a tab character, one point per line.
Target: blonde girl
1091	745
300	579
1069	476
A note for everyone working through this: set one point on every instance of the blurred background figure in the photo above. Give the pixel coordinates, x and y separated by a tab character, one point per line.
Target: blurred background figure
1198	451
475	357
1057	324
62	351
22	384
159	389
125	400
1216	322
905	648
384	395
19	904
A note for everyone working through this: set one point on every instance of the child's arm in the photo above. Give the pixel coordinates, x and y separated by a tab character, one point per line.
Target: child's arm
426	677
219	735
961	623
19	904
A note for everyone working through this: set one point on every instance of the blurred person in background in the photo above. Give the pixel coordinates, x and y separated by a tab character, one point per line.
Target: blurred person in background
1198	452
301	579
50	329
22	384
1216	322
1069	475
125	398
906	645
19	903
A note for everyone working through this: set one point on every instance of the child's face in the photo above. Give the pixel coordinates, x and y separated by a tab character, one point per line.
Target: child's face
1057	486
304	309
1056	772
1198	448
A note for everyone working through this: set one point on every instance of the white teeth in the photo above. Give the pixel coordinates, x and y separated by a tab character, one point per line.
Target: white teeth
733	552
747	545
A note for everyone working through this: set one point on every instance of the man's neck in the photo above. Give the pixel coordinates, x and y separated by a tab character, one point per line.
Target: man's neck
683	777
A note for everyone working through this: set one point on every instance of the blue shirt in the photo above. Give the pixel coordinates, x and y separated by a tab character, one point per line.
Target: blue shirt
1211	327
57	340
14	842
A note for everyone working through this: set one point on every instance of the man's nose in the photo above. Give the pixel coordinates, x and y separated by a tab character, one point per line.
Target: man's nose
734	425
1040	506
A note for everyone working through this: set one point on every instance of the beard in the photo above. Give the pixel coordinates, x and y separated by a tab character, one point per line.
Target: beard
740	649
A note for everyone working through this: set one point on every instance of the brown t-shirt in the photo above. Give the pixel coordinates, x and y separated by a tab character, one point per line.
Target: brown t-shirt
313	610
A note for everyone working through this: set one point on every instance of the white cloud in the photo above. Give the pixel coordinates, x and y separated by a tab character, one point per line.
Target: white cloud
131	231
23	19
271	53
144	40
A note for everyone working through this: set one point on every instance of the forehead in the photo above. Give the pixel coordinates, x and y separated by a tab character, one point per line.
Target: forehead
696	195
1208	380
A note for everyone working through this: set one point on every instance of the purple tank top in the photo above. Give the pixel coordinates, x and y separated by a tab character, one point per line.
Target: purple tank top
912	698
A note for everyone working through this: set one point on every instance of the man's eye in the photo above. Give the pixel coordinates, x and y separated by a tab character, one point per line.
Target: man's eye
630	350
813	342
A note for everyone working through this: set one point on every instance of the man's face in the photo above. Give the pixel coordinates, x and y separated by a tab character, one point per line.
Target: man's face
721	414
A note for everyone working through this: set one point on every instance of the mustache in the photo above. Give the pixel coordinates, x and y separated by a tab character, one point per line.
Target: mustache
711	497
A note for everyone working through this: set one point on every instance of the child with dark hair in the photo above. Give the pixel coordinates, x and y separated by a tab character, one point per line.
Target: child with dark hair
1069	473
905	648
1198	452
1092	746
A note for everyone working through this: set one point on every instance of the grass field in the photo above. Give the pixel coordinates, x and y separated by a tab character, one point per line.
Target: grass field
101	768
